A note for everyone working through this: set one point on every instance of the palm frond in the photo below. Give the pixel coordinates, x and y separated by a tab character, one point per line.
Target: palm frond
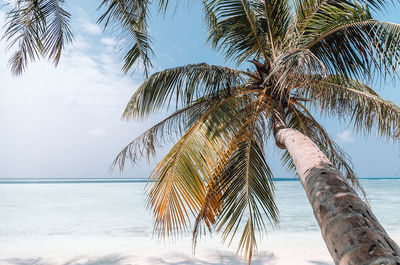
180	179
38	29
275	17
350	98
386	40
25	25
58	34
242	188
345	37
377	5
129	19
305	10
165	131
211	208
181	85
169	129
235	28
213	204
248	193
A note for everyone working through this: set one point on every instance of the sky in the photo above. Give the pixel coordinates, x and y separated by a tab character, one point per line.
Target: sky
65	121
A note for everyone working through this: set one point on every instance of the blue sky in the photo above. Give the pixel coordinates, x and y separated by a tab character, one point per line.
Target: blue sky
65	121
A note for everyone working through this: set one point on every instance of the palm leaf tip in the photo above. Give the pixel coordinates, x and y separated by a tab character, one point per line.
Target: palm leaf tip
37	29
248	194
130	21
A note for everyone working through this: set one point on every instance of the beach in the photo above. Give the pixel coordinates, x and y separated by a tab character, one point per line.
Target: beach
108	223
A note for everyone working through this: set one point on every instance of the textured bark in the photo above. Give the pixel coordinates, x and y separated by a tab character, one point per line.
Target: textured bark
351	232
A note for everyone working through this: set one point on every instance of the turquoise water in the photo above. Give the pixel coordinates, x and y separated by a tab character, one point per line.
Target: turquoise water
117	207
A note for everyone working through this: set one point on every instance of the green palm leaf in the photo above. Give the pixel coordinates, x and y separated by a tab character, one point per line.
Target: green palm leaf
38	29
353	99
184	84
169	129
58	33
345	37
130	18
236	29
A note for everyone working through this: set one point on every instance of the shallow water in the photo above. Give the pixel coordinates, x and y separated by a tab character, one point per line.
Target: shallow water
101	212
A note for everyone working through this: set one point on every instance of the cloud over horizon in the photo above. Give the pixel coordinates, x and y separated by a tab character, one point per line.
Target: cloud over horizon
65	121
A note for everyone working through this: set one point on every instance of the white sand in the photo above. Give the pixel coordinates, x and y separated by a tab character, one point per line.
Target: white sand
278	248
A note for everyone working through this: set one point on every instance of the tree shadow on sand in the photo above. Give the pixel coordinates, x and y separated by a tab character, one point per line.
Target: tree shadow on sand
114	259
216	259
18	261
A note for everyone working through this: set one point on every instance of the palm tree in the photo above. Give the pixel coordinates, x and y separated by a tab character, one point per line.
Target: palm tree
311	56
307	55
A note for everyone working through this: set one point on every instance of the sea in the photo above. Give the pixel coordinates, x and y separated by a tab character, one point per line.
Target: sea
105	222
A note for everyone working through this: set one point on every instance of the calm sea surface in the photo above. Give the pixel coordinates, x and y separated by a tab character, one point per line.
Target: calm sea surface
110	207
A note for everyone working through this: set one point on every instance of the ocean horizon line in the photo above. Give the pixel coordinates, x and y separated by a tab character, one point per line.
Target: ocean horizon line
76	180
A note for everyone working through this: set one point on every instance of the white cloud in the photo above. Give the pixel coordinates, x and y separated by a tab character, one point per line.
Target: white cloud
81	78
108	41
54	114
99	131
345	137
90	27
80	43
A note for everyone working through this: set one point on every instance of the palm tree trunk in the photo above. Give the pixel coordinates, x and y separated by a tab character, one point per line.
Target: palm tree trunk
351	232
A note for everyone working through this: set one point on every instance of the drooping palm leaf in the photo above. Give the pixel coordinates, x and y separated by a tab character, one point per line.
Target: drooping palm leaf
248	193
25	26
178	188
37	29
130	20
58	33
357	101
214	204
165	131
181	85
169	129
